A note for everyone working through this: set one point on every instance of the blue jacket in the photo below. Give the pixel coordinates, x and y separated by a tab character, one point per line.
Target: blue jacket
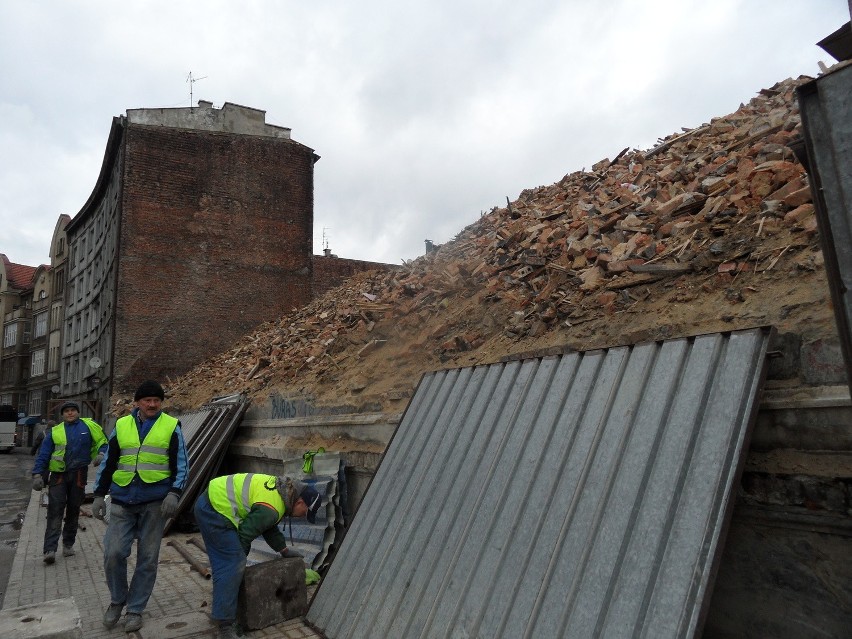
137	491
78	450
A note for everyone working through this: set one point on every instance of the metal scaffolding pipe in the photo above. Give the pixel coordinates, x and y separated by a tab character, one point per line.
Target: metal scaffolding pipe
203	570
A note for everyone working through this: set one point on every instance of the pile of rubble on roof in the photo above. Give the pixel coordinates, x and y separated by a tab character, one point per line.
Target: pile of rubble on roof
690	222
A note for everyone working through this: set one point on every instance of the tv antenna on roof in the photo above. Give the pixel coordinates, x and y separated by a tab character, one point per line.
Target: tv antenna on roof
324	237
192	81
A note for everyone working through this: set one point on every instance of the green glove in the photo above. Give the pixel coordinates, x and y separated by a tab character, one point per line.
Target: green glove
311	577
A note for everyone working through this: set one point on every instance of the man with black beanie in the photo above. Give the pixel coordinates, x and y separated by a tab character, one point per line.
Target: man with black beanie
145	471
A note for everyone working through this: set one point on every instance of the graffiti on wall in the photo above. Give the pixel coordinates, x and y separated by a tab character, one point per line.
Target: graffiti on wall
289	408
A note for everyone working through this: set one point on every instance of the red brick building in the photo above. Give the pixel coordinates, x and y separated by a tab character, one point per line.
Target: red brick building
199	228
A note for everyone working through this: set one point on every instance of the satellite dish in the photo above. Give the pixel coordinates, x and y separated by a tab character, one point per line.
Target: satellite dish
95	362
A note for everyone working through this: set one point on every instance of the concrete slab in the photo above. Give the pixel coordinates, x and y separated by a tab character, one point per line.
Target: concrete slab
190	625
56	619
272	592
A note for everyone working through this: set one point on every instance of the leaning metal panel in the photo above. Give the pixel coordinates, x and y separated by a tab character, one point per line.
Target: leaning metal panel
572	496
827	125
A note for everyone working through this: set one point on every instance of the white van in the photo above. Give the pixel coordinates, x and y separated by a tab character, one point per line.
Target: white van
8	428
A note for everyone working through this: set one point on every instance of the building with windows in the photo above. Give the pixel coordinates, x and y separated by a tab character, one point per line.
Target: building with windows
16	292
32	306
198	229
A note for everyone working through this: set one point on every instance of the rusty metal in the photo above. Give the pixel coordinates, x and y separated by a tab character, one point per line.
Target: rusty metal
197	543
203	570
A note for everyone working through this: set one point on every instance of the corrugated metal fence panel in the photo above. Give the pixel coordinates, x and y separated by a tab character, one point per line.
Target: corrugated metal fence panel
573	496
827	124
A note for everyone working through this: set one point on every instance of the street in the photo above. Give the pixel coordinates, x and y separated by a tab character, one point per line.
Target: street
15	491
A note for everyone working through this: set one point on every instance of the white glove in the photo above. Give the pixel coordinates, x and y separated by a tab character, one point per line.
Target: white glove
38	482
98	459
99	508
169	506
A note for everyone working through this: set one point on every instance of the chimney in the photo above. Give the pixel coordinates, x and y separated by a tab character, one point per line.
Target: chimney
326	252
429	246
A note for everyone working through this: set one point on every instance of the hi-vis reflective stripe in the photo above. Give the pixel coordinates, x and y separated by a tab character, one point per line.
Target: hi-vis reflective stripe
154	449
121	466
232	495
133	452
58	454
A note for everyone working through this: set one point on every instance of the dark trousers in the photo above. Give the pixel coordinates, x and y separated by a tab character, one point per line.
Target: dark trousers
65	494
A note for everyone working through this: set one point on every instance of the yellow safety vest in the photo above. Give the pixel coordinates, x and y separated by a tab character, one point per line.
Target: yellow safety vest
57	433
150	459
234	495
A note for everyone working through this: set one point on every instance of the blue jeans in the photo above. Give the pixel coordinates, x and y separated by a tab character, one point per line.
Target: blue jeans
227	558
64	496
144	523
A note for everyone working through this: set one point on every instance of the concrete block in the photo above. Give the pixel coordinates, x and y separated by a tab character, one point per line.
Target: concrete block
272	592
56	619
822	362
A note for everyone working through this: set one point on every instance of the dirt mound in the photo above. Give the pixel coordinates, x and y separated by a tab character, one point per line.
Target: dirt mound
711	230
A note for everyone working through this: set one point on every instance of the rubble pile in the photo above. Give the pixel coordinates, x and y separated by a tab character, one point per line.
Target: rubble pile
712	229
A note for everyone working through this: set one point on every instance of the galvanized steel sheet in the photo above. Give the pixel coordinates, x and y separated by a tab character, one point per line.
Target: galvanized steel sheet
580	495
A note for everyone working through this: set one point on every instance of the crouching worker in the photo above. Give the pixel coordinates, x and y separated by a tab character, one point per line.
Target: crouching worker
231	514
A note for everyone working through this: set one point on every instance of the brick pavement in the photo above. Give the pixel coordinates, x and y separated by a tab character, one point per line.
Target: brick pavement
177	608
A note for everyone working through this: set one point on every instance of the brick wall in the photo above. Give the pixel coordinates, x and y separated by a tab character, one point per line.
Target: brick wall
330	272
215	239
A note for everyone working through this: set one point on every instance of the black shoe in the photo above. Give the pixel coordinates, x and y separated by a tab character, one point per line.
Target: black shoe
113	614
132	622
49	557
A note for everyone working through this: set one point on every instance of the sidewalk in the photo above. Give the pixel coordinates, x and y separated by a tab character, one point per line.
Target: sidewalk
178	608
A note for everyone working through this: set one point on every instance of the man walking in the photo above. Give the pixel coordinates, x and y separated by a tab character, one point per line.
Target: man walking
231	513
62	464
145	471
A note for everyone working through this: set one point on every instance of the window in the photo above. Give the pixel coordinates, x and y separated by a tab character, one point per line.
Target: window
55	317
59	281
40	325
53	360
37	363
10	335
35	402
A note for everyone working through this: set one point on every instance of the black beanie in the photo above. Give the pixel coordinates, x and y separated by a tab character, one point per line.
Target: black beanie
149	388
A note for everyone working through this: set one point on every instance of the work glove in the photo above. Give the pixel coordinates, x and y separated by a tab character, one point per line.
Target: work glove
169	506
38	482
98	459
99	508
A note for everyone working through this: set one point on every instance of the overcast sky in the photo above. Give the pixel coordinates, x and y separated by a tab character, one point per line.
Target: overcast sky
425	115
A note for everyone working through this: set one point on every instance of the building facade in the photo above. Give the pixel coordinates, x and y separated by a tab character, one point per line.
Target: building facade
198	229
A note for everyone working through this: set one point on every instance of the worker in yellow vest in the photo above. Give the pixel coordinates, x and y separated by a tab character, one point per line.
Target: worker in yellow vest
63	465
144	471
231	514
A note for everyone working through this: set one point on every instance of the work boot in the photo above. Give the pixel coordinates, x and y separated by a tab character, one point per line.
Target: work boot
49	557
132	622
113	614
67	551
228	631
